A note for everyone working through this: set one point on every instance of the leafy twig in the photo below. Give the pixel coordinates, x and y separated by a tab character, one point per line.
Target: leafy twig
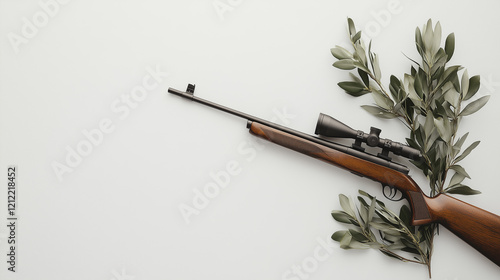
429	101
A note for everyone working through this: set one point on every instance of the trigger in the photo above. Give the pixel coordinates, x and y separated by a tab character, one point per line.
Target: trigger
392	194
384	187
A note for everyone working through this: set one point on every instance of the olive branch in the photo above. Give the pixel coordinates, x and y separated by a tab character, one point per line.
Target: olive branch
430	101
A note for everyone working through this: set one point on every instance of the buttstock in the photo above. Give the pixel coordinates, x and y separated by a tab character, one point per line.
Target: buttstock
478	227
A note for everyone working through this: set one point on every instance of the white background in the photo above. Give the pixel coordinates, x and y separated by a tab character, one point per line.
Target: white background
116	215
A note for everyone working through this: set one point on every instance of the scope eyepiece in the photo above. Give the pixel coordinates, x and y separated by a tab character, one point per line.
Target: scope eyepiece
331	127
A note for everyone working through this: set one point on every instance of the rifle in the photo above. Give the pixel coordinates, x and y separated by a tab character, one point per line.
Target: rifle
478	227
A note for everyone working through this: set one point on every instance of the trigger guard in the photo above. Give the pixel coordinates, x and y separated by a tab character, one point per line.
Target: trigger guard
393	193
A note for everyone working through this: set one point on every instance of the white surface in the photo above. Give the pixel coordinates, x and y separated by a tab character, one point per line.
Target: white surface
116	215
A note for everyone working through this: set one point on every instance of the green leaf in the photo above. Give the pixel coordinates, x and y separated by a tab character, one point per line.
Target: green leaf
460	169
427	36
391	239
394	87
356	37
462	189
444	129
431	141
467	151
358	245
461	141
439	63
356	79
340	53
363	213
455	81
338	235
371	211
364	77
428	125
358	236
410	88
451	95
396	246
474	84
352	28
353	88
382	100
409	246
385	228
392	255
474	106
456	179
418	86
347	204
465	83
405	215
341	216
436	38
440	110
386	215
376	68
344	64
360	53
418	42
345	241
363	202
449	46
412	143
378	112
362	192
361	66
448	74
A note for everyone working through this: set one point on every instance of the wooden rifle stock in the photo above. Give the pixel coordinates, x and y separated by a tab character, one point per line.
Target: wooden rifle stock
477	227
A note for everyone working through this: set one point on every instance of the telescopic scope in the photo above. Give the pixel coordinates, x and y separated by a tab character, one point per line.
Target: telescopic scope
330	127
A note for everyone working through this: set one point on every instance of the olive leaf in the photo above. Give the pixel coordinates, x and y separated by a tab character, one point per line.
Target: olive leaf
449	46
444	129
347	205
379	112
462	189
474	106
340	53
474	84
467	151
352	28
345	64
459	169
456	179
353	88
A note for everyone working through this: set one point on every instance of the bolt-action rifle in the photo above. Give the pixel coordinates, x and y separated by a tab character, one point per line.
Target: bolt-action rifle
477	227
